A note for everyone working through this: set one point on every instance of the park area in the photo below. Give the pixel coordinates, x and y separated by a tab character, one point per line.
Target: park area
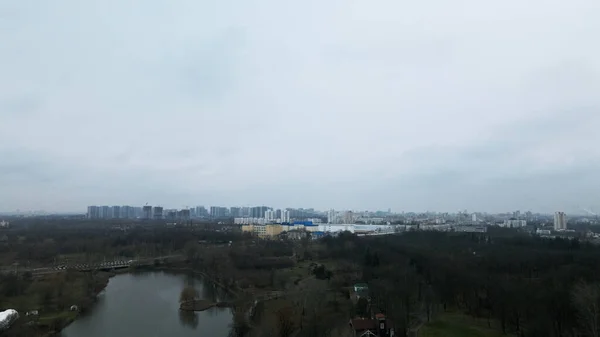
458	325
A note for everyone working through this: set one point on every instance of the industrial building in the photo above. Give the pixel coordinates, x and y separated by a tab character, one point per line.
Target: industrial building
318	230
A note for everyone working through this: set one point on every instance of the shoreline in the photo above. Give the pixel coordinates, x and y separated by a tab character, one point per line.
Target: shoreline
114	273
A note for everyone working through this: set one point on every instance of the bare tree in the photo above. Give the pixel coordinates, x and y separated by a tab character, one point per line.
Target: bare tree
586	298
285	322
188	294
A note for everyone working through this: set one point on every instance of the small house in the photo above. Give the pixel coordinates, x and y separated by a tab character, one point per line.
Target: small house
380	326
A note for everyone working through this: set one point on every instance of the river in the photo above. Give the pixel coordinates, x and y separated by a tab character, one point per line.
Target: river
147	304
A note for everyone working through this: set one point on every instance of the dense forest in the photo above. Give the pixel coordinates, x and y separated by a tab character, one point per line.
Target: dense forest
527	285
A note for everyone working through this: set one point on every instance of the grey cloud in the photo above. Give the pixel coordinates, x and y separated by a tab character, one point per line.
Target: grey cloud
320	104
20	106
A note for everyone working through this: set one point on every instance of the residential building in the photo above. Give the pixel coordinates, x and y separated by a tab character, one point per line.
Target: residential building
380	326
512	223
157	213
201	211
116	212
147	212
105	212
138	212
348	217
128	212
331	216
270	215
218	212
245	212
560	221
258	211
235	212
285	216
93	212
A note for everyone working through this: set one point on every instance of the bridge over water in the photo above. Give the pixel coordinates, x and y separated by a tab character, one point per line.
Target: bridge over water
114	264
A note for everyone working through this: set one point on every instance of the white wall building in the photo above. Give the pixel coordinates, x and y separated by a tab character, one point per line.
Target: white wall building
270	215
331	216
514	223
560	221
332	228
285	215
249	221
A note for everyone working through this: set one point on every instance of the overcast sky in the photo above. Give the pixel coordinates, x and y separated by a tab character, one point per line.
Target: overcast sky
409	105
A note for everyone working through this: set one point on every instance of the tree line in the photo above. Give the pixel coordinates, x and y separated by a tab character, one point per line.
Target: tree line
522	285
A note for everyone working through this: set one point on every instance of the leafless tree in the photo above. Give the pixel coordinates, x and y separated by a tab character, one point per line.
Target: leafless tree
586	298
285	322
188	294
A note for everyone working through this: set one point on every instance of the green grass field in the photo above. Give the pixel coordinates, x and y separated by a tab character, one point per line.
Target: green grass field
458	325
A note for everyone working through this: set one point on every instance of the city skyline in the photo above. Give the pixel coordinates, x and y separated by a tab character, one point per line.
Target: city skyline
234	210
409	105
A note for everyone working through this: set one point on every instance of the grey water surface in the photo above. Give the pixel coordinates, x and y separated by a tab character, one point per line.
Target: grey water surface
147	305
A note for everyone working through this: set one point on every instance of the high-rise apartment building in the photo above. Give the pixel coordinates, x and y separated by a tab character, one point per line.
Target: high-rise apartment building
201	211
285	216
128	212
93	212
158	212
258	211
105	212
218	212
235	212
147	212
331	216
116	212
270	215
245	212
560	221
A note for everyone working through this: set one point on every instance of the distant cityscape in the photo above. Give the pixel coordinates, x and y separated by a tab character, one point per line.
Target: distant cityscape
265	221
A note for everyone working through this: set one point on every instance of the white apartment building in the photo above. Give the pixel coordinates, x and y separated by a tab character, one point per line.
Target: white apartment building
331	216
269	215
514	223
285	216
560	221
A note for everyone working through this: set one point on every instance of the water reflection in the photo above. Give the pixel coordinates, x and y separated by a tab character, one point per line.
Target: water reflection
209	290
189	319
189	280
147	304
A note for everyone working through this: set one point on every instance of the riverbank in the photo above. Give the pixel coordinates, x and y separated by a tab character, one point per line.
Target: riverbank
54	294
147	304
54	301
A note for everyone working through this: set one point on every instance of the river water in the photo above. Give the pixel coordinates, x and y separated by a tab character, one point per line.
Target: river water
147	305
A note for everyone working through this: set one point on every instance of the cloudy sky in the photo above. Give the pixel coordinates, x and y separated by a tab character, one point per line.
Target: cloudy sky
409	105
